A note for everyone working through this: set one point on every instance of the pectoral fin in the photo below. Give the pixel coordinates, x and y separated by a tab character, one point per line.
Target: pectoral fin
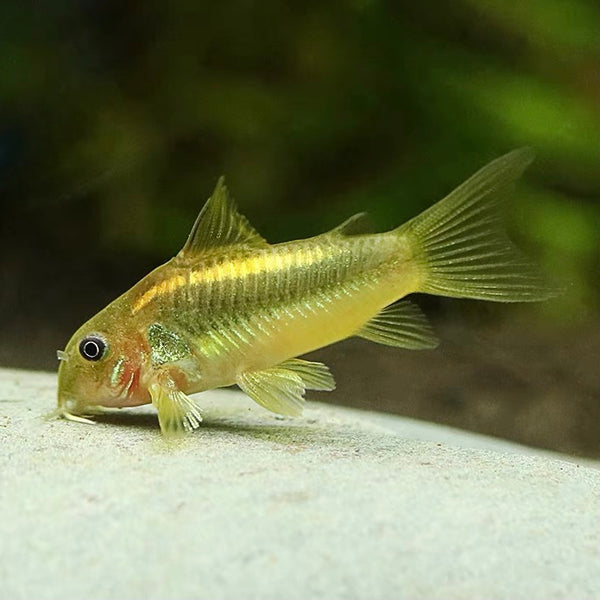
401	324
280	389
176	411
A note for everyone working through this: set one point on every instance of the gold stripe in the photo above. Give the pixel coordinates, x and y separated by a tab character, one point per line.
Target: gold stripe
167	285
252	265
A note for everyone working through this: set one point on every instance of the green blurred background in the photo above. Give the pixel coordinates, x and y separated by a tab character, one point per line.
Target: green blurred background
117	117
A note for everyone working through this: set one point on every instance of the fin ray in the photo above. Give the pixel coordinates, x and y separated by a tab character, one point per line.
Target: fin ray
177	412
355	225
220	224
461	248
275	389
281	388
402	325
314	375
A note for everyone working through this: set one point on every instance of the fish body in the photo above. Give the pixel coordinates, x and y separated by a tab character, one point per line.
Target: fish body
249	309
232	308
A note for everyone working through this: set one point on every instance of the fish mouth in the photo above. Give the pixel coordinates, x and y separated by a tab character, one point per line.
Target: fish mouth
67	409
62	356
65	403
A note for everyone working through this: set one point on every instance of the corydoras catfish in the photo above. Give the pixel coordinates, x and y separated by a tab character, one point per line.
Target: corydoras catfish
230	308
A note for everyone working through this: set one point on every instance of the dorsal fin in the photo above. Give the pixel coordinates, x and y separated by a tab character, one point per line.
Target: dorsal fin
220	224
355	225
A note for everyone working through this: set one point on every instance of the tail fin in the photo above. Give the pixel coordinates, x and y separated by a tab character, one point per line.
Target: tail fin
461	248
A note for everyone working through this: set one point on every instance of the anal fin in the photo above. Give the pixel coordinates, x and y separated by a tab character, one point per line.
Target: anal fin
281	388
177	412
402	325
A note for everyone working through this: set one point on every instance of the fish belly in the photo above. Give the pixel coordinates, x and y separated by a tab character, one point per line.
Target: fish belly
319	321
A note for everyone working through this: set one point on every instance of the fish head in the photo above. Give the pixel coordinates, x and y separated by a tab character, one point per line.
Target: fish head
100	366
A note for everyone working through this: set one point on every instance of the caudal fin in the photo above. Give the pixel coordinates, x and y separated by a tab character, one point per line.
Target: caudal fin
461	248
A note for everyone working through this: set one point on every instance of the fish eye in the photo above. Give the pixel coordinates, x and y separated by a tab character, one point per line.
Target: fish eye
93	347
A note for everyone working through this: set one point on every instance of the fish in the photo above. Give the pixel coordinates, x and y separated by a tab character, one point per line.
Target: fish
230	308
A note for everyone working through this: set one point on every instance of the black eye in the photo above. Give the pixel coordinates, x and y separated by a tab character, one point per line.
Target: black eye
92	347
